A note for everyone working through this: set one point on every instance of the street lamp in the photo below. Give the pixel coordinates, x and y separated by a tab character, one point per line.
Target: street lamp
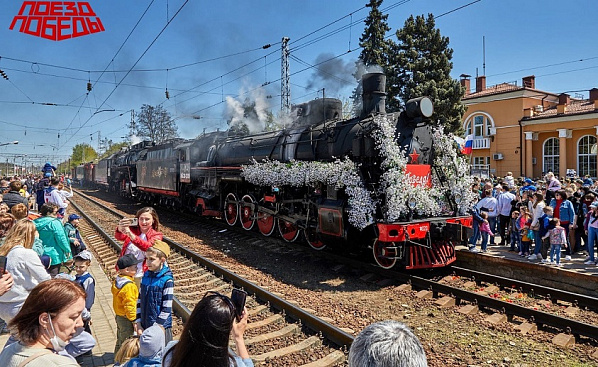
12	142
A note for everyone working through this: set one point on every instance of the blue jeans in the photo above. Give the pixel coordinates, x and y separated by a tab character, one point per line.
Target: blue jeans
555	250
492	223
515	239
592	237
476	234
485	240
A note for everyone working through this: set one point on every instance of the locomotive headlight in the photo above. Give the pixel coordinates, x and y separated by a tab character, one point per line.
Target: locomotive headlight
412	203
458	198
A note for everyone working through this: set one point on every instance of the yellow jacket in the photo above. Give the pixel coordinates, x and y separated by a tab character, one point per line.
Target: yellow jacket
124	297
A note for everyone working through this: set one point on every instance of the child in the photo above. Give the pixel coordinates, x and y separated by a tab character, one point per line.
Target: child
557	239
485	231
151	345
514	231
545	226
129	349
82	262
154	304
73	234
124	298
526	237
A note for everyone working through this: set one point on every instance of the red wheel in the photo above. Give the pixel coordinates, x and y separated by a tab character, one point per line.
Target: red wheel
247	212
313	239
385	254
265	223
231	209
288	231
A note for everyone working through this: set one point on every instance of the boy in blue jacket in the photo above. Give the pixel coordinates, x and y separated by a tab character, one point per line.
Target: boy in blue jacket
154	305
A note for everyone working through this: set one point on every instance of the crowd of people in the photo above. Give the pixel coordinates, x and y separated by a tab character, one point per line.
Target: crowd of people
47	309
538	219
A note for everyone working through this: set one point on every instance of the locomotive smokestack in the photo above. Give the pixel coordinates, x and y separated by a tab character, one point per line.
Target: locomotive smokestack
374	93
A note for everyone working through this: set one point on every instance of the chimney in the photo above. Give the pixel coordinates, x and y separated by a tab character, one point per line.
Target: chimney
528	112
374	93
594	97
480	83
466	83
529	82
561	108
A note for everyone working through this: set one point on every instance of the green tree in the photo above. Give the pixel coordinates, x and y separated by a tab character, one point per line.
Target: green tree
82	153
154	123
421	66
375	48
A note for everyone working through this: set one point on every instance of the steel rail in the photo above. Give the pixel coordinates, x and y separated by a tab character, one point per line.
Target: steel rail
573	326
329	331
554	294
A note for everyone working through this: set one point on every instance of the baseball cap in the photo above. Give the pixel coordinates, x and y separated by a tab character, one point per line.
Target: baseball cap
126	261
83	255
594	204
529	181
73	217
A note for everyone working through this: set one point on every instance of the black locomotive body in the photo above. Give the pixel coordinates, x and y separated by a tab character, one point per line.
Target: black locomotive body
206	175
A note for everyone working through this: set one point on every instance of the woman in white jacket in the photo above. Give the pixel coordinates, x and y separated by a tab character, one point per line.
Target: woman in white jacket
537	210
24	264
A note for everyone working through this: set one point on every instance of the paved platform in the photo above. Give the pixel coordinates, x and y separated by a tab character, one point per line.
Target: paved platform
103	325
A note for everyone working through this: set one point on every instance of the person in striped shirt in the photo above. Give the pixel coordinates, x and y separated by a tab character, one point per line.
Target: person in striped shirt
154	305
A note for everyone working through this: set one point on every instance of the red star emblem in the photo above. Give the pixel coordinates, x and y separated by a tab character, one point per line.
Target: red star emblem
414	156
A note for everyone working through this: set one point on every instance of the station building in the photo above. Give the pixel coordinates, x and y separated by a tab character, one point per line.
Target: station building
529	132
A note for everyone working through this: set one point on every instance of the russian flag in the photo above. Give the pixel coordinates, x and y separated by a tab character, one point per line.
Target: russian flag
468	148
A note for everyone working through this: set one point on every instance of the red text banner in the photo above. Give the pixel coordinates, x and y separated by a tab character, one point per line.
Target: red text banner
57	20
419	175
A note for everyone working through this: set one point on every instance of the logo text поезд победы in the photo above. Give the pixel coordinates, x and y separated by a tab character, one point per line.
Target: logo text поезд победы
57	20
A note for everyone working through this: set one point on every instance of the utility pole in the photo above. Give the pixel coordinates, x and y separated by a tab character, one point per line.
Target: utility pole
285	94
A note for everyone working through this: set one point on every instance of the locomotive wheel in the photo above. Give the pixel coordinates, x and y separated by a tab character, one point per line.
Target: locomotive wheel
265	223
231	209
288	231
384	253
247	212
313	239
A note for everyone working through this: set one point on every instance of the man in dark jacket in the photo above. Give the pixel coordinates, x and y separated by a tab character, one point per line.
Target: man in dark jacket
13	197
73	234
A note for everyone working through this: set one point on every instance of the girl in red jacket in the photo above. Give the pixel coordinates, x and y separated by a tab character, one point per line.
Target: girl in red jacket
137	239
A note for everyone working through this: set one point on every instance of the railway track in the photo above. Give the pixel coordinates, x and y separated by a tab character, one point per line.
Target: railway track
526	306
279	332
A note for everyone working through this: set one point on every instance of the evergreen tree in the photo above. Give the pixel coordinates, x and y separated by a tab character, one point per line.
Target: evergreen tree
375	48
155	124
421	62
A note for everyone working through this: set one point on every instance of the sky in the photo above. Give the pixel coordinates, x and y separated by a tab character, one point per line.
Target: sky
210	56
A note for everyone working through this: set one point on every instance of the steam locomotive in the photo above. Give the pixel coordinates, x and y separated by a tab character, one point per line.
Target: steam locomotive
330	180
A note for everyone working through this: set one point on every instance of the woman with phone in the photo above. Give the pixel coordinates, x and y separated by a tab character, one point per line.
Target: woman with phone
139	234
204	340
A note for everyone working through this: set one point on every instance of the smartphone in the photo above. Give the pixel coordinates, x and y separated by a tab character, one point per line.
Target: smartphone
238	297
129	222
3	264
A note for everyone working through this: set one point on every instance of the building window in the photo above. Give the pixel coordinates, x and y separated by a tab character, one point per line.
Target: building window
551	156
479	126
586	156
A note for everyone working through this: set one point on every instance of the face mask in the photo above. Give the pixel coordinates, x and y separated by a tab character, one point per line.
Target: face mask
57	344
